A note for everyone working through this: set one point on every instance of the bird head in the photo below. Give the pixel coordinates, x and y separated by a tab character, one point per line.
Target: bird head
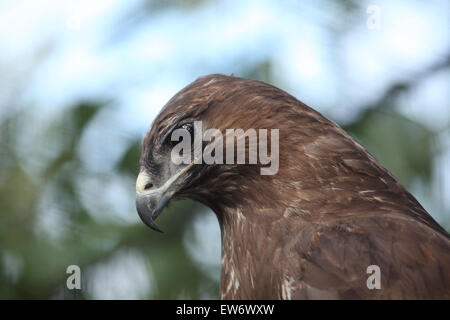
221	103
311	165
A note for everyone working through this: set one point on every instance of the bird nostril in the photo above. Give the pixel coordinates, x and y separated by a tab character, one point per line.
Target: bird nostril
148	186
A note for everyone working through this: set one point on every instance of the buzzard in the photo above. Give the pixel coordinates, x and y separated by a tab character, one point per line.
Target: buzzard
331	223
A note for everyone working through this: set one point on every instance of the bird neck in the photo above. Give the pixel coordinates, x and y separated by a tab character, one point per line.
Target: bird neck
250	247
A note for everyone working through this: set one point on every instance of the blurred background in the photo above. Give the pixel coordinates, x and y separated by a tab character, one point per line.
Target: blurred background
81	81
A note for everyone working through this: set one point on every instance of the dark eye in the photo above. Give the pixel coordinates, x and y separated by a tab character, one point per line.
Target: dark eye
189	127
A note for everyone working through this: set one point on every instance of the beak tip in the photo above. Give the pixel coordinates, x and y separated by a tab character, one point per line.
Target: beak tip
151	224
155	227
147	215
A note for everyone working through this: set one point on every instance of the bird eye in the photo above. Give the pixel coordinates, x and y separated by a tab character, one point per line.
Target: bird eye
189	127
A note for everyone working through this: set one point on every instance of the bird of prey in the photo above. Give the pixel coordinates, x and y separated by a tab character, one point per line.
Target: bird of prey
331	223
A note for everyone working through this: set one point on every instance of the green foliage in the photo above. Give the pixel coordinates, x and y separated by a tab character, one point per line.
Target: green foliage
35	262
128	164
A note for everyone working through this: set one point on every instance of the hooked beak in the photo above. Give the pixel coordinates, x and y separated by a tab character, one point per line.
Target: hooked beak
151	201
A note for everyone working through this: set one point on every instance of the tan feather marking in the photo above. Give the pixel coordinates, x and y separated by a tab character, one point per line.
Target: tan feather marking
287	288
426	252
